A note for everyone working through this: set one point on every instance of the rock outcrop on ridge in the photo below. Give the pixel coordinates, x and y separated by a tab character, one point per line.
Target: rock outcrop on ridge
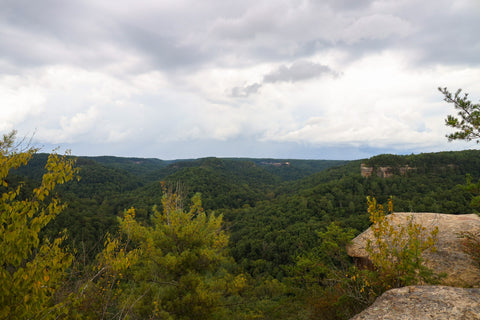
449	257
425	302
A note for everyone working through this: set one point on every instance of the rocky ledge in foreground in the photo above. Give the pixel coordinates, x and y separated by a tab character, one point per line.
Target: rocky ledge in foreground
449	257
425	302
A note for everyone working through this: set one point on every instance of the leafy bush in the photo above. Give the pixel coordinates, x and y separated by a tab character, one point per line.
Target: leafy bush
396	250
32	268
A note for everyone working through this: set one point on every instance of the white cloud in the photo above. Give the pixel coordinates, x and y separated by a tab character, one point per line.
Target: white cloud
80	123
19	100
377	102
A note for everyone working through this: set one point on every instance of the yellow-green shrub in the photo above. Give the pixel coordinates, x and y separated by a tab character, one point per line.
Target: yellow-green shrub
396	250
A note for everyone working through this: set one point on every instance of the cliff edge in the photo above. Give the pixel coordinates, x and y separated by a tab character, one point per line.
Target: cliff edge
449	257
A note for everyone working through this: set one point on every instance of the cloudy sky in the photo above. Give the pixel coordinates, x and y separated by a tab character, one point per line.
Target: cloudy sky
331	79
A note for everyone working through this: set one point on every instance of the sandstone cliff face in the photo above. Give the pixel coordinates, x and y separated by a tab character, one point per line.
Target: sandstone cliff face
449	257
383	172
425	302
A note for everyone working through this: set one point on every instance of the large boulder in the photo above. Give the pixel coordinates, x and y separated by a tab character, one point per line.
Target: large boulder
425	302
449	257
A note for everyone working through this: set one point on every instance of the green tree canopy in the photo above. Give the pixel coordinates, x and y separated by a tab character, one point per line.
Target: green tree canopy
175	268
468	122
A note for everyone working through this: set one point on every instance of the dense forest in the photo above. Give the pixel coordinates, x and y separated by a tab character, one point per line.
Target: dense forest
277	227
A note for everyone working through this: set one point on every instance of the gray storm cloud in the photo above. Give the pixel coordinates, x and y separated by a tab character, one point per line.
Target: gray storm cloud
85	71
298	71
242	92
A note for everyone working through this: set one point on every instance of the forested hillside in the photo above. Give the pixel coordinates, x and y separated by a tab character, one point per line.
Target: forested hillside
110	185
272	233
287	220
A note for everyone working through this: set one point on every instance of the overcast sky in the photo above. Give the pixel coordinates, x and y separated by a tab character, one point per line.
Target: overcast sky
332	79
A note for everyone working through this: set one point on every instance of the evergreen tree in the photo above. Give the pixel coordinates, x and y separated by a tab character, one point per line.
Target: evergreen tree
176	268
468	123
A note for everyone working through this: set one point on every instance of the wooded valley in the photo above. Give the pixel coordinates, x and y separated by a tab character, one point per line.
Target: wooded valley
226	238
